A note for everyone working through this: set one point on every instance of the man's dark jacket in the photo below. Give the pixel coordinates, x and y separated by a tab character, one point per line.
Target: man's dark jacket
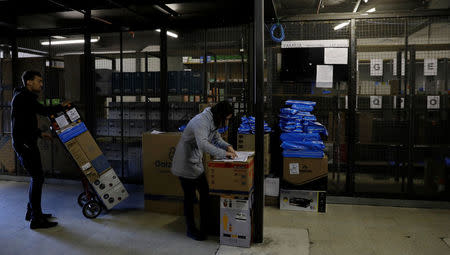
24	124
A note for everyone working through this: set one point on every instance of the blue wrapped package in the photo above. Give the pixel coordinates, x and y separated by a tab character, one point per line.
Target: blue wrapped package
291	102
181	128
302	154
302	107
288	111
303	145
299	137
223	130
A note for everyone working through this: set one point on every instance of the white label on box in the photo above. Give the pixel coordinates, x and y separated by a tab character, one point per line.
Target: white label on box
294	168
376	67
376	102
86	166
430	66
73	115
433	102
62	121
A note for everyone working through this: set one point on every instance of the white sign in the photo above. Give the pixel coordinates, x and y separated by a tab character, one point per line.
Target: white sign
62	121
316	44
376	102
73	115
294	168
433	102
430	66
394	69
336	56
324	76
272	187
376	67
402	102
346	102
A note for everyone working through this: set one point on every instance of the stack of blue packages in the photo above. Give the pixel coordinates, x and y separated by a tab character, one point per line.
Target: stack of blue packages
301	132
248	126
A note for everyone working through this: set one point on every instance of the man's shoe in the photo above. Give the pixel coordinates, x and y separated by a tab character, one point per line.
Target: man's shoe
42	223
196	234
45	215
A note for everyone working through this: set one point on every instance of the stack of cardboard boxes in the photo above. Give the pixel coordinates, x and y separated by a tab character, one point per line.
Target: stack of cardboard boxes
233	181
88	156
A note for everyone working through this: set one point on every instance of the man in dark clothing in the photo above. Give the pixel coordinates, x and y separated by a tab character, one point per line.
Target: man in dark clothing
25	133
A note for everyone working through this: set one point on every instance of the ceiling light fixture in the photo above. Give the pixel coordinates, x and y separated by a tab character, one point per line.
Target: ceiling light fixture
58	37
371	10
365	1
168	33
341	25
70	41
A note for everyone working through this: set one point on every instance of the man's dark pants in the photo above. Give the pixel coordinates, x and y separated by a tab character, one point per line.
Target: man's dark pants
189	187
30	158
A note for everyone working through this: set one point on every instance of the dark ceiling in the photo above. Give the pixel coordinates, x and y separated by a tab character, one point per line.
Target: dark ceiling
114	15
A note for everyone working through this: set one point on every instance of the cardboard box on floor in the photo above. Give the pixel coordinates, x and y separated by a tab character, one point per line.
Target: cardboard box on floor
230	177
162	189
303	170
365	126
235	221
303	200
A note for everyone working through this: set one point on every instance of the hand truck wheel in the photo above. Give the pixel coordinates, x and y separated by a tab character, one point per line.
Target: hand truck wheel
92	209
82	199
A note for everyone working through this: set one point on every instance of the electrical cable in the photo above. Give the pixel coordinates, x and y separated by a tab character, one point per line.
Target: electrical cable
272	30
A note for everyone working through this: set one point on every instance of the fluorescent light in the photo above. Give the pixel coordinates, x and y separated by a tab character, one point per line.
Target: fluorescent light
371	10
70	41
365	1
341	25
59	37
168	33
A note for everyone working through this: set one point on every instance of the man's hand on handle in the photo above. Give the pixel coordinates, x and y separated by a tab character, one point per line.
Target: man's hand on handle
47	136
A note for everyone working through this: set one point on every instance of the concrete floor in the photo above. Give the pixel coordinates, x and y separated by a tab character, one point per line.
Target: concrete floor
344	229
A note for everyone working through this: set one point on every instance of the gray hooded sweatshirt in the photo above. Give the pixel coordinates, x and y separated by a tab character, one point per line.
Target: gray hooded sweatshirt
199	136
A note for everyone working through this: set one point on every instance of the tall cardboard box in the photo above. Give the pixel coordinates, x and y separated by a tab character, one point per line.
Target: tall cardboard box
162	189
246	142
235	221
230	177
299	171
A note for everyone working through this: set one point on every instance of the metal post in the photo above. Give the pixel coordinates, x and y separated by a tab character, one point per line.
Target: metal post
405	86
258	87
251	79
446	74
88	76
351	127
412	84
164	88
146	82
205	71
121	105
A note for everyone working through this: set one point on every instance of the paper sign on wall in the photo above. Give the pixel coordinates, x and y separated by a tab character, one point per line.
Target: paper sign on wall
336	56
376	67
430	66
324	76
433	102
394	69
376	102
402	102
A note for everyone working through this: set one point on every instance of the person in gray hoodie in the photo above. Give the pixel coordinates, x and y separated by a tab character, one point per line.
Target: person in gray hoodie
200	136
